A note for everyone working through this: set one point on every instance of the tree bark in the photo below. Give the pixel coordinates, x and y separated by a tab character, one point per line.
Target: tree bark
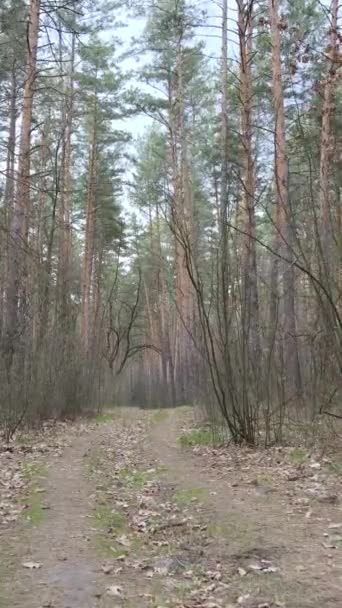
9	185
284	223
327	146
250	304
182	216
88	257
21	209
65	232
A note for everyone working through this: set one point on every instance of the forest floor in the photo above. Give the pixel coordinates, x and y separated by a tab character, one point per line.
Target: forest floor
118	512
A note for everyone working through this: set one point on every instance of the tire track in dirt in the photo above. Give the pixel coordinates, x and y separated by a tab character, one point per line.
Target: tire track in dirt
248	525
225	527
68	576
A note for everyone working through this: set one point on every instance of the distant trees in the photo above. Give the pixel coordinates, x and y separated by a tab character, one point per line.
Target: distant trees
99	101
223	284
257	284
64	96
173	70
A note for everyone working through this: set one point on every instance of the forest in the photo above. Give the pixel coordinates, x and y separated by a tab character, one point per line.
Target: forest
170	210
170	303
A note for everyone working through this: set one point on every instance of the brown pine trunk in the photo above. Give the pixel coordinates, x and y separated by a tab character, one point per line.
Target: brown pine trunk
9	184
250	304
38	244
45	295
327	146
10	160
65	232
169	374
223	196
88	257
224	118
96	299
21	209
182	212
284	227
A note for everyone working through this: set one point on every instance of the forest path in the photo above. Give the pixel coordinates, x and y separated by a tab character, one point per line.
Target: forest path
278	541
134	520
57	540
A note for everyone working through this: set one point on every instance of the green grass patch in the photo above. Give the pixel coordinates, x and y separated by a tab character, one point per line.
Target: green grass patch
23	439
7	572
94	462
162	468
196	437
186	497
104	417
33	472
133	477
106	547
109	523
335	465
161	416
240	533
299	456
109	519
34	513
264	479
221	530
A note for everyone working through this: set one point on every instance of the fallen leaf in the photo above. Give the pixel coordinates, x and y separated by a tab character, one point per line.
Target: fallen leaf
107	569
243	598
31	565
124	541
270	569
114	591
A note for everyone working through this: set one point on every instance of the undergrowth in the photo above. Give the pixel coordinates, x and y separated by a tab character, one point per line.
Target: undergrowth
196	437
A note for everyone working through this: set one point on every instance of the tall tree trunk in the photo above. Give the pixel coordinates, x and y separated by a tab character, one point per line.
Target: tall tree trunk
10	160
182	213
284	227
21	210
9	185
89	242
327	146
250	305
224	118
223	205
169	373
45	295
39	216
65	232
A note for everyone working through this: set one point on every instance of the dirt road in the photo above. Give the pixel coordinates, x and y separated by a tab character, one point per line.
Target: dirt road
128	517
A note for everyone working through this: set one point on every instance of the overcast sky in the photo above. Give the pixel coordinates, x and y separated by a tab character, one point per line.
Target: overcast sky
210	35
